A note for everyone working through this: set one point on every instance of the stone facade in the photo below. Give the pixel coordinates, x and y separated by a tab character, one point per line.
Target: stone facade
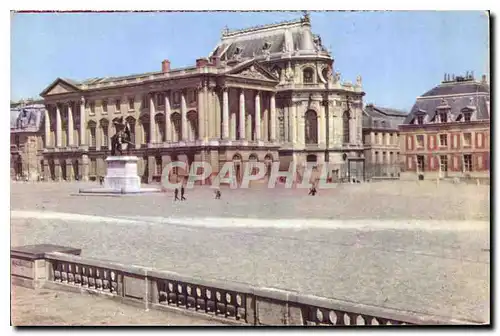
447	133
266	93
381	141
26	142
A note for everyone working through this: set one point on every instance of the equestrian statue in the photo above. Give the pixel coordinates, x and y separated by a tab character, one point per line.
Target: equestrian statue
122	139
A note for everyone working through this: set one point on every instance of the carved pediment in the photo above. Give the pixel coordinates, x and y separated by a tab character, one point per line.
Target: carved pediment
59	86
253	71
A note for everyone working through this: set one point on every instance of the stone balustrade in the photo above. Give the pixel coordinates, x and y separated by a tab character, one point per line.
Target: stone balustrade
61	268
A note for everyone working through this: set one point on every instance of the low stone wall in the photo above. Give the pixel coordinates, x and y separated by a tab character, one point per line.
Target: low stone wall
56	267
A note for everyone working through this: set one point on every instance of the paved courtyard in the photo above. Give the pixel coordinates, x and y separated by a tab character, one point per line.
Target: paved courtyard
57	308
403	245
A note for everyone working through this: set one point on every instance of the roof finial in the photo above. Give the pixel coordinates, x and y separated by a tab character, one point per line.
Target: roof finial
306	17
225	31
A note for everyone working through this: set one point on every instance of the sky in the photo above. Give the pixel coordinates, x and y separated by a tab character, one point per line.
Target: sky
399	55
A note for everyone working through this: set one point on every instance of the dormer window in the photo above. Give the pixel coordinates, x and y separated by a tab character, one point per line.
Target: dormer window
237	51
443	116
467	116
420	120
266	46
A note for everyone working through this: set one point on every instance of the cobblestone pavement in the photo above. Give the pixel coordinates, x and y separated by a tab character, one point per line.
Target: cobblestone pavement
44	307
397	258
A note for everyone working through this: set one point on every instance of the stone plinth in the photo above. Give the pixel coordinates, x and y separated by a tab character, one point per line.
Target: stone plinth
122	175
121	178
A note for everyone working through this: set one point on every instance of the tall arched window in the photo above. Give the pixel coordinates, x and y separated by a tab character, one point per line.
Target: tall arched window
311	127
104	123
345	122
92	133
176	122
308	75
192	117
144	122
160	127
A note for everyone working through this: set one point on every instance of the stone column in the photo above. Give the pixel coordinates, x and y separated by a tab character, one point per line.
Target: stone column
321	126
70	124
352	127
331	126
201	113
265	122
168	121
152	124
232	123
293	122
286	121
48	141
257	116
272	107
206	106
225	114
70	173
300	125
242	115
58	127
184	121
83	129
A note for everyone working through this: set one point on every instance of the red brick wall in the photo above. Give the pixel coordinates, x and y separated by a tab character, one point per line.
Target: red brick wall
410	166
455	140
430	163
409	142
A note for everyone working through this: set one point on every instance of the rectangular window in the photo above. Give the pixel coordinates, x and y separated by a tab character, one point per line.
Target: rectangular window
92	108
467	163
420	120
420	141
177	97
92	137
17	140
443	117
420	163
93	167
467	116
145	101
105	137
104	106
443	140
191	96
131	103
467	139
160	99
376	157
118	106
443	161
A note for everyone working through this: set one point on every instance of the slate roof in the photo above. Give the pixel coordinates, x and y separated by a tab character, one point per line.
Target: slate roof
27	118
382	117
457	95
285	36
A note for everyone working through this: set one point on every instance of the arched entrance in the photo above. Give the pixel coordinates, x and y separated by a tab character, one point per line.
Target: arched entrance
52	169
252	159
76	170
64	175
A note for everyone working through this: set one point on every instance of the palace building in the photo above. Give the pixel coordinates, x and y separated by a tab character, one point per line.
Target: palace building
26	145
381	141
265	94
447	133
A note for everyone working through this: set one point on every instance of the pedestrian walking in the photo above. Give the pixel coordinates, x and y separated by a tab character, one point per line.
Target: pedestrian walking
182	193
176	194
217	194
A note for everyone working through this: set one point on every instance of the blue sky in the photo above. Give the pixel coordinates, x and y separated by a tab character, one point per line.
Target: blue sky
400	55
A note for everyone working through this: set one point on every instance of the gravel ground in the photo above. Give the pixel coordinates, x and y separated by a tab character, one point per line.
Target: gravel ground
443	270
57	308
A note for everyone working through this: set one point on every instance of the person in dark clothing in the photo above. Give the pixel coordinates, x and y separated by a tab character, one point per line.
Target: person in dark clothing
312	191
217	194
176	194
182	194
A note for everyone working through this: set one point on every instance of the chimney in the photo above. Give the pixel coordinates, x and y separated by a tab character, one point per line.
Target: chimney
165	66
202	62
483	79
472	75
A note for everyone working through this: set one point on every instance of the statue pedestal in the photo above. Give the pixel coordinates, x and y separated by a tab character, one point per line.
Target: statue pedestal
122	175
121	178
